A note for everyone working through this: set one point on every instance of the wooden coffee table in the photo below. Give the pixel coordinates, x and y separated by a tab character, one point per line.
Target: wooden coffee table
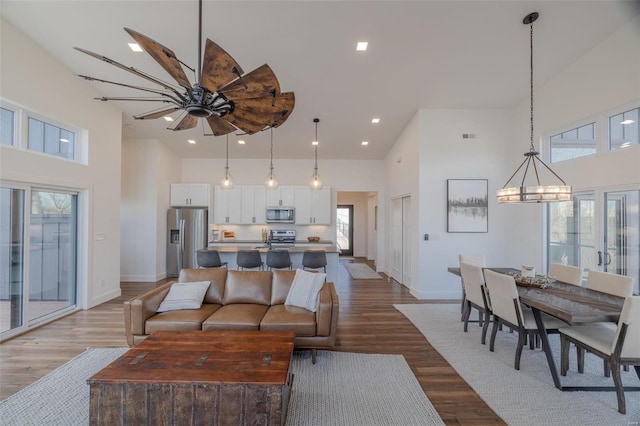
197	377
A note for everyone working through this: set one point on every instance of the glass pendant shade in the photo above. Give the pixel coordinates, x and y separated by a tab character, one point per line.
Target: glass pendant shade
530	189
227	181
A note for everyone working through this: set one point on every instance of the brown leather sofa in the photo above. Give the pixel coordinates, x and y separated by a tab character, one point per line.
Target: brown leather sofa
238	300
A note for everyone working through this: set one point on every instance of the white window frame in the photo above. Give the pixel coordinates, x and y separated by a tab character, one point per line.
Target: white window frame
611	113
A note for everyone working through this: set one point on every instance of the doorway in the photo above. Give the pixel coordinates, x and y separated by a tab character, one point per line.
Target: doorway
344	229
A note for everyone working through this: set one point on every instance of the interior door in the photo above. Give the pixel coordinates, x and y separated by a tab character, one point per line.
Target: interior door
395	238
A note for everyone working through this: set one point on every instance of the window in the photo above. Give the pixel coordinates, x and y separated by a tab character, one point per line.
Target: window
7	127
574	143
50	139
624	129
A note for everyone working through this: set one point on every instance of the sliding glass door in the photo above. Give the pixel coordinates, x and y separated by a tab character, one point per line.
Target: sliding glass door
597	230
39	261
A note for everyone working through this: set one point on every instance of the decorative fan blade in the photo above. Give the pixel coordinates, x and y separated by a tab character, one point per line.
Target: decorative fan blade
257	113
219	126
178	100
188	122
218	68
156	114
163	55
287	109
258	82
132	98
130	69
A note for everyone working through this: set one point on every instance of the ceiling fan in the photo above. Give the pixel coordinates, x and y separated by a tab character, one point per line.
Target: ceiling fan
221	94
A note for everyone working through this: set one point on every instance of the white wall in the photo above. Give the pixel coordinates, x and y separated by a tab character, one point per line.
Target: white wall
33	79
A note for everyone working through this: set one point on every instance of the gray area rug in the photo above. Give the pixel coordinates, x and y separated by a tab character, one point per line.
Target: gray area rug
527	396
340	389
361	271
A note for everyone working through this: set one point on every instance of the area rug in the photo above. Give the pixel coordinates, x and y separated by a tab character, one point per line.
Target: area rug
340	389
527	396
361	271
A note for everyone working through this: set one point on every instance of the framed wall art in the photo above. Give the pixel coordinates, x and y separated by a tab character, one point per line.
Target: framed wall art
467	205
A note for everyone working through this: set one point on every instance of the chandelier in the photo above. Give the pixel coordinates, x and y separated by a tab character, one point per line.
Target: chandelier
536	193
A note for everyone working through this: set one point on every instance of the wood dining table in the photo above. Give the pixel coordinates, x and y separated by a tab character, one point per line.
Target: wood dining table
570	303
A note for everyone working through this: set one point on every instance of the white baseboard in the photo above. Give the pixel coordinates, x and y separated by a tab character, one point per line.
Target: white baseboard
104	298
142	278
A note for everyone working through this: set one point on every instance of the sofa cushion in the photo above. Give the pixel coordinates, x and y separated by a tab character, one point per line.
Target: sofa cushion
248	287
217	277
237	316
289	318
282	280
304	290
188	319
184	296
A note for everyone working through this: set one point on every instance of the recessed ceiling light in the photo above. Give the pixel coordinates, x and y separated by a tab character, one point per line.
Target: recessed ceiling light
314	143
168	118
64	140
375	120
191	141
627	122
362	46
365	143
240	142
135	47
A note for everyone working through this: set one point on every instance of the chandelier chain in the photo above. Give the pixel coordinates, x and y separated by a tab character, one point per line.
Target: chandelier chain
531	148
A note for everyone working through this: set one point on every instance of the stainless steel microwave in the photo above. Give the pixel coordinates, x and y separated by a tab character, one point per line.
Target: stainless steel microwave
281	214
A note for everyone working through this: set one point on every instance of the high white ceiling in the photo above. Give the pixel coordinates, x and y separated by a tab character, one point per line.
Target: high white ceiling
422	54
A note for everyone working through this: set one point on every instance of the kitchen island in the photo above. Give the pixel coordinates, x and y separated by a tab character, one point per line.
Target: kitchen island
229	251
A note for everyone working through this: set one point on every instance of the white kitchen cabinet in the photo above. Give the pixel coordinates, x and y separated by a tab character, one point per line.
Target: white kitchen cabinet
281	196
253	204
313	207
190	194
227	205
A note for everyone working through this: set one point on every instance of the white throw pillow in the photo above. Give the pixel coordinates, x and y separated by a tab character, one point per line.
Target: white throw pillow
304	289
184	296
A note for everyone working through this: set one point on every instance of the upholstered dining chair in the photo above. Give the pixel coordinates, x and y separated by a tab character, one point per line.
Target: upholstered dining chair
209	259
314	259
566	273
477	259
477	297
606	282
507	310
249	259
617	346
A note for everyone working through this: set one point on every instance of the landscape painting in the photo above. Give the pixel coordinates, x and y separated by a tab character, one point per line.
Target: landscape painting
467	205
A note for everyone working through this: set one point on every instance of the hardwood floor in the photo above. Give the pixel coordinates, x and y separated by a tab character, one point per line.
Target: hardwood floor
368	323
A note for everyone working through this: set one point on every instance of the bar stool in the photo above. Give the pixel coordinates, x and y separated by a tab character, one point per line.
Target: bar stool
314	259
209	259
278	259
249	259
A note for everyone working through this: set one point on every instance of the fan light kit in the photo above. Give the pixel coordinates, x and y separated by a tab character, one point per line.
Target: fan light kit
315	182
222	94
537	193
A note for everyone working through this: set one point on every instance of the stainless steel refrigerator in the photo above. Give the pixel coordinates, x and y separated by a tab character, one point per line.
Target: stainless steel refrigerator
186	233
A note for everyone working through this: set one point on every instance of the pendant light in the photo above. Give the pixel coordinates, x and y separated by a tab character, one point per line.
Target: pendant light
315	182
537	193
272	181
226	182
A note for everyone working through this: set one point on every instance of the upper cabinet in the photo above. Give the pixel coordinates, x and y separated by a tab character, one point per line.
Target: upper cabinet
313	207
190	194
281	196
242	205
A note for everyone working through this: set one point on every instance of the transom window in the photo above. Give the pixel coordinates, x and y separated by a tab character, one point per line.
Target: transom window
50	139
7	127
624	129
573	143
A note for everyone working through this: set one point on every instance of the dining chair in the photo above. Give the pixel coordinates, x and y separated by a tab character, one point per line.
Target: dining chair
507	310
471	259
566	273
477	297
249	259
606	282
617	346
209	259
